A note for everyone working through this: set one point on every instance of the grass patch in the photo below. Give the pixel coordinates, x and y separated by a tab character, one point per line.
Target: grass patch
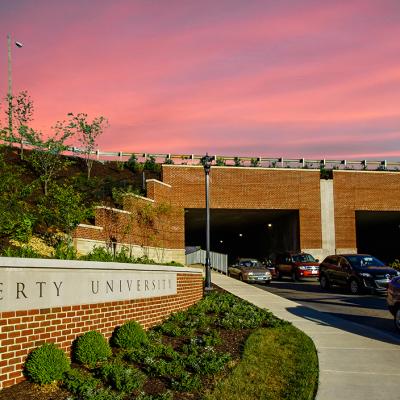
278	363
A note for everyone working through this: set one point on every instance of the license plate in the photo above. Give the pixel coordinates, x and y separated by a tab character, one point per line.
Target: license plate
314	272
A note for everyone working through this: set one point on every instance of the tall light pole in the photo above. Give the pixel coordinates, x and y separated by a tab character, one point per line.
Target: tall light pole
9	92
206	161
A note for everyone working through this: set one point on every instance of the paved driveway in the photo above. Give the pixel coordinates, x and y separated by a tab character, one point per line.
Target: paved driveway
368	309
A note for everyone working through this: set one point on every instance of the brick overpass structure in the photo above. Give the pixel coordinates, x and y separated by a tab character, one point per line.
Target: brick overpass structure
258	211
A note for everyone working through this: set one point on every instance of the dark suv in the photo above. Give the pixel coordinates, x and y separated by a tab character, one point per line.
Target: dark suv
393	300
296	265
357	272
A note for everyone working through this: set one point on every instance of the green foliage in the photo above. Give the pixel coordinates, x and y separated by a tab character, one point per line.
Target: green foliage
46	159
150	164
46	364
91	348
98	254
207	361
17	216
133	164
168	161
163	396
87	133
118	193
129	335
237	162
122	377
62	208
23	251
186	382
220	162
163	368
79	382
64	250
255	162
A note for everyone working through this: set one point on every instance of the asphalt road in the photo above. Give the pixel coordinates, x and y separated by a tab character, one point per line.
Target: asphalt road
366	309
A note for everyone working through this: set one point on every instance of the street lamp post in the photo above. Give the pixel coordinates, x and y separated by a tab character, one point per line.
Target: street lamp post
9	92
206	161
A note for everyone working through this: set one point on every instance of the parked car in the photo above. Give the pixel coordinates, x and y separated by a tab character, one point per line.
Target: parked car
250	270
296	265
267	263
393	300
358	272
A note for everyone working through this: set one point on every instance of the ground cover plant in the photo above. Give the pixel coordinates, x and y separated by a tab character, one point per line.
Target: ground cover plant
216	349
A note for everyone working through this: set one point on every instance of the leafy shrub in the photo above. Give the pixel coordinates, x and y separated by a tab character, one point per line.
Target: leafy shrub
186	382
91	348
151	350
207	362
98	254
65	251
24	251
78	382
162	396
129	335
121	377
46	364
160	367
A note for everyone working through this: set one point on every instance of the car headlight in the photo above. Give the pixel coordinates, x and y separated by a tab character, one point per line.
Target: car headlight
302	268
365	275
250	273
398	273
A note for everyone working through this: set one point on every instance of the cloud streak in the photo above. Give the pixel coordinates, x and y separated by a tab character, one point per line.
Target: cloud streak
289	78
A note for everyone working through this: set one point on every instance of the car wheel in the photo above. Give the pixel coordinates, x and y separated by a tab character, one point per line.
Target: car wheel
294	276
241	277
354	287
267	282
324	282
279	275
397	318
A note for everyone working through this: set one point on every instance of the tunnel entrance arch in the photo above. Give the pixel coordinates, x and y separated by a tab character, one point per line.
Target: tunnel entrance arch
244	233
378	233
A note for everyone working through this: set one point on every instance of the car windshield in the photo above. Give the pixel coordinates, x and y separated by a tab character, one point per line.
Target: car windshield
303	258
364	261
250	263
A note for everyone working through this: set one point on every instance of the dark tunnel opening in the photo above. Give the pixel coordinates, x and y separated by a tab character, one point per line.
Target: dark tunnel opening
378	234
244	233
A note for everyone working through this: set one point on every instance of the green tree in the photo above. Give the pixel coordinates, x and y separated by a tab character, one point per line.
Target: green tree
63	208
46	157
22	113
17	217
87	133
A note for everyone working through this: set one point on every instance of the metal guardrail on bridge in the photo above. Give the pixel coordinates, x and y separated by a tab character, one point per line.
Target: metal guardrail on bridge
220	160
219	261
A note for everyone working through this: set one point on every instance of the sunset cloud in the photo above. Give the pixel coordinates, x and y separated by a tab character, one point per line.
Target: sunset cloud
289	78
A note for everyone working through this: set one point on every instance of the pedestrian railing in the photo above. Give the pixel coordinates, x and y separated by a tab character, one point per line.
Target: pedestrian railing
219	262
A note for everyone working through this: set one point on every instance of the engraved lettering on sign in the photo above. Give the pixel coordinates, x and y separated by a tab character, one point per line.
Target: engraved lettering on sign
153	284
1	290
20	289
146	284
58	288
110	286
138	285
95	290
129	283
40	288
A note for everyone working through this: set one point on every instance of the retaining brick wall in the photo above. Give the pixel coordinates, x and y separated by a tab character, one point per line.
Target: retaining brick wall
22	331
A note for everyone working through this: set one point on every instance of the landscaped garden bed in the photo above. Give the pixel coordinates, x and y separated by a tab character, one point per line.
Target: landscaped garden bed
220	348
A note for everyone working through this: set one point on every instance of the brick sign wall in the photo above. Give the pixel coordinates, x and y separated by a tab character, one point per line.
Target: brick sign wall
47	295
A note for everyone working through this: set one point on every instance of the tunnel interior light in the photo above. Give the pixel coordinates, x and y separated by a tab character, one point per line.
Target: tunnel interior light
269	225
240	234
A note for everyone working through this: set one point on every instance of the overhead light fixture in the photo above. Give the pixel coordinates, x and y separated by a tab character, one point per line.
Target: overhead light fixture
240	234
221	241
269	225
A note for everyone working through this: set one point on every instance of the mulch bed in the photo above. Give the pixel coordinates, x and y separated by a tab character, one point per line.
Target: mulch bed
232	342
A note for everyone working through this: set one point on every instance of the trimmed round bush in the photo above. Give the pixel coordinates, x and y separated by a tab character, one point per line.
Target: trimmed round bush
129	336
91	348
46	364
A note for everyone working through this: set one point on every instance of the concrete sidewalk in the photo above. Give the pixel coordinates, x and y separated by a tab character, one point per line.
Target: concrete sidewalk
356	362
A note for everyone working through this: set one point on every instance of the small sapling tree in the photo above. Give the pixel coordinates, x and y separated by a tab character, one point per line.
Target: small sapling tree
87	134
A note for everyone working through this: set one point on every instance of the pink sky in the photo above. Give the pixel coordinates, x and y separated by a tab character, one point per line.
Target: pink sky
291	78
